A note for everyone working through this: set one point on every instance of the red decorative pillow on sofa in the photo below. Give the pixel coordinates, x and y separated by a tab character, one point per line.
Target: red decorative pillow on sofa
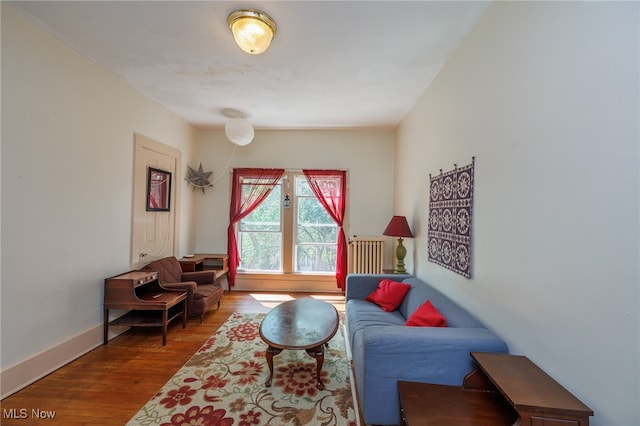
389	294
426	316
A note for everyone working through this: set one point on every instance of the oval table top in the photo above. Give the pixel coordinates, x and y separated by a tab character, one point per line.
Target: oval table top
299	324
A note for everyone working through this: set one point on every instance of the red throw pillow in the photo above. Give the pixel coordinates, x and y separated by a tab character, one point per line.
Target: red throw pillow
427	316
389	294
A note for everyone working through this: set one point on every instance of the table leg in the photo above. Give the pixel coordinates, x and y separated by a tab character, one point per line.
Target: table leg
106	326
184	313
318	354
269	354
165	321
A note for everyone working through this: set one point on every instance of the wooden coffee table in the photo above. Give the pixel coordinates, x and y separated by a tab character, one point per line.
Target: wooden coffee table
306	324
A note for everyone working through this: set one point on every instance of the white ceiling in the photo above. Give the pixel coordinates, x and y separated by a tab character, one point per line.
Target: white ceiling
332	64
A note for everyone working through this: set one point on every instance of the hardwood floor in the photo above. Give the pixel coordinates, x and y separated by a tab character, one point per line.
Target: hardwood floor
108	385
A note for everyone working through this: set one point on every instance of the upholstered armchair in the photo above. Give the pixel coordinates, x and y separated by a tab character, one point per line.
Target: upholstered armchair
202	289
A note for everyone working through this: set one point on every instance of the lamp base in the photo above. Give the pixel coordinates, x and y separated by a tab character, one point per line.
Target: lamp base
401	253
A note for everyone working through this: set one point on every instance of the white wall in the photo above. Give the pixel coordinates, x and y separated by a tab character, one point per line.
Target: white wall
366	154
67	172
545	96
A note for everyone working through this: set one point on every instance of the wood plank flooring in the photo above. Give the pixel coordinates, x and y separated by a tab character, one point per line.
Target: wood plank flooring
108	385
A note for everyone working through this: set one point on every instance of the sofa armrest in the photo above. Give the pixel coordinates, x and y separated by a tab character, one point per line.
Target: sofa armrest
382	355
426	354
189	286
200	277
359	286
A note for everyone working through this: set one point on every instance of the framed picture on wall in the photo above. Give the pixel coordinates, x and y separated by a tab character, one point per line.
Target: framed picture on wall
158	190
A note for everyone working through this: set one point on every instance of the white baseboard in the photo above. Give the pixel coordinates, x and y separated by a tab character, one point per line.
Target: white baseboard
26	372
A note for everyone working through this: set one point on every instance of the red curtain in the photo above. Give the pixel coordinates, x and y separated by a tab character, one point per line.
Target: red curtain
330	187
258	184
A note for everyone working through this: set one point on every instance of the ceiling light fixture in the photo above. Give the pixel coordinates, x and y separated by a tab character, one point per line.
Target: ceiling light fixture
239	131
253	30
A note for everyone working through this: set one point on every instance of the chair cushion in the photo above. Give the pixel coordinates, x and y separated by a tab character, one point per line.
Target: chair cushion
206	290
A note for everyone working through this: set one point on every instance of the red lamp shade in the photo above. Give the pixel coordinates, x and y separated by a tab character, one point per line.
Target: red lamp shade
398	227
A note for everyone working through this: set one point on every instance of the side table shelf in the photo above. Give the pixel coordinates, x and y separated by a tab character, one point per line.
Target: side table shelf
149	304
201	262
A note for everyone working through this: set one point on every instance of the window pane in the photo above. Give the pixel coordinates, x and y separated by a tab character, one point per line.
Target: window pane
302	187
261	251
311	211
314	225
266	217
260	235
316	233
315	258
310	233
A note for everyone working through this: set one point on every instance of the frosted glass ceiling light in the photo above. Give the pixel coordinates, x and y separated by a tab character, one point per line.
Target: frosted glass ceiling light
253	30
239	131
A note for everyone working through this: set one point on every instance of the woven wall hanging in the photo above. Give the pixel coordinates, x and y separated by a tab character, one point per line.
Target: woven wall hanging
450	213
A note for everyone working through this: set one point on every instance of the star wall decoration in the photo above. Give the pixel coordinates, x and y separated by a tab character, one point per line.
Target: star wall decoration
199	178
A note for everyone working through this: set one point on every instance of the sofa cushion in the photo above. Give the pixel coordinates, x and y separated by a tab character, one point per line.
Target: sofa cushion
389	294
426	316
421	292
362	315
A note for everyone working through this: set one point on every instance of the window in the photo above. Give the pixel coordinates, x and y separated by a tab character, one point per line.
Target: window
301	238
260	235
316	234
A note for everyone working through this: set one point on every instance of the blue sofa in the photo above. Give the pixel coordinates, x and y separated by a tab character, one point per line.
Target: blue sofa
384	350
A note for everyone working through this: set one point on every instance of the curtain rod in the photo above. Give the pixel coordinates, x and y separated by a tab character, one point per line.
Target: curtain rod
286	170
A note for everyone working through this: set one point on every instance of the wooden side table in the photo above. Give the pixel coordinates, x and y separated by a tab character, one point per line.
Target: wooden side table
199	262
423	404
502	389
149	304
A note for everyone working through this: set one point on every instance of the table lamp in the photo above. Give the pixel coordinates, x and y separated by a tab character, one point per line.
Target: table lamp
398	227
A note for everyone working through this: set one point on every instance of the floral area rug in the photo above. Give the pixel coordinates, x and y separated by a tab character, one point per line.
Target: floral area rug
223	384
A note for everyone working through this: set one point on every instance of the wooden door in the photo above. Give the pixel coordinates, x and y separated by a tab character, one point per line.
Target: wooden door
153	232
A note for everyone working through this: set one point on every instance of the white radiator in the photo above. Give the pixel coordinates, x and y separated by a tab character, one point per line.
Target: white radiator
366	255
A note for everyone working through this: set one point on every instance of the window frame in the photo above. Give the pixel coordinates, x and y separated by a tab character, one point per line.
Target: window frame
295	227
289	232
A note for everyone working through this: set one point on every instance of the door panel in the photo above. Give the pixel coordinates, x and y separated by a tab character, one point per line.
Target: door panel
153	232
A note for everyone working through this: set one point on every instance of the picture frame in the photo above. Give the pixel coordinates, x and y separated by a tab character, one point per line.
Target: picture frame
158	190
